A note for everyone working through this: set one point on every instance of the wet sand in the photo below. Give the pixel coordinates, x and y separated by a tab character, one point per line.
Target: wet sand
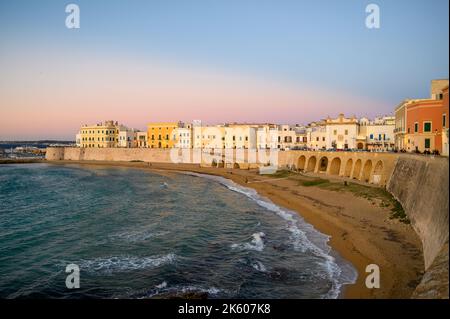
360	228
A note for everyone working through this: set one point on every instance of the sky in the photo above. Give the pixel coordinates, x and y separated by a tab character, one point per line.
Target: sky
285	61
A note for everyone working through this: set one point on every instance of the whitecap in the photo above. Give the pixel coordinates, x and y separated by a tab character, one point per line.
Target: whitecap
124	263
259	266
313	242
257	243
161	285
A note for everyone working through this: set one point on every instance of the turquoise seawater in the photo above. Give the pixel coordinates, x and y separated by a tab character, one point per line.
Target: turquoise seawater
138	234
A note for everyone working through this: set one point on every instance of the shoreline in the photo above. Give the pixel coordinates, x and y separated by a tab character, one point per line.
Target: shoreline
360	232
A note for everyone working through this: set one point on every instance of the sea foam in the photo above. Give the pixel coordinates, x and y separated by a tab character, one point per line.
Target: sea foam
304	238
125	263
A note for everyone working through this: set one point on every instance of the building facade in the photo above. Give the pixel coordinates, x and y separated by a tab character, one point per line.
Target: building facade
421	125
183	136
377	135
160	135
100	135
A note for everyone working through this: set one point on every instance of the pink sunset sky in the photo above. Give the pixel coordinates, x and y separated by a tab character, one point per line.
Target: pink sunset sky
284	61
50	97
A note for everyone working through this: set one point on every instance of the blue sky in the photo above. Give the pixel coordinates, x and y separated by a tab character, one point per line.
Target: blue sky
323	44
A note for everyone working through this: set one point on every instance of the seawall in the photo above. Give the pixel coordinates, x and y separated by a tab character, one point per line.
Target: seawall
421	185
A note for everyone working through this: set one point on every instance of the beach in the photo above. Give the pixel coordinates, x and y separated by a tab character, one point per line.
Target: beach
360	225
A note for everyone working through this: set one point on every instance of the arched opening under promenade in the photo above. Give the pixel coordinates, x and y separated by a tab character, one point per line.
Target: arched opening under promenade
311	164
367	170
301	163
214	163
348	168
377	172
357	169
335	167
323	164
236	165
221	164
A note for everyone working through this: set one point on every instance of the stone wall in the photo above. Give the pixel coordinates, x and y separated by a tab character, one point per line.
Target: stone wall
420	184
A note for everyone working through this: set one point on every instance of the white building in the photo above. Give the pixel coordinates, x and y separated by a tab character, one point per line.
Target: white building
240	136
267	136
127	137
78	139
182	136
316	134
141	139
377	135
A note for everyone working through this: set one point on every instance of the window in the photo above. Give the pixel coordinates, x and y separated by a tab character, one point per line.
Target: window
371	136
427	143
323	139
317	139
444	120
346	132
427	126
416	127
335	132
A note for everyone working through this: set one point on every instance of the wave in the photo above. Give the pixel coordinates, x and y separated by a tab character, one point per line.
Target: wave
257	243
259	266
125	263
304	238
137	236
177	290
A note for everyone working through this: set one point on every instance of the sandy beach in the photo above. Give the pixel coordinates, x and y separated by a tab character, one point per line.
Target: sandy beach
356	217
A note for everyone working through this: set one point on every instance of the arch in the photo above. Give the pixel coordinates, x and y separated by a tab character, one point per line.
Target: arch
357	169
377	172
367	170
236	165
378	167
360	146
301	162
323	164
312	163
335	166
221	164
214	163
348	168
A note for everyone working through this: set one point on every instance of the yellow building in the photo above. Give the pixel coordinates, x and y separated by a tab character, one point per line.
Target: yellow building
99	135
160	135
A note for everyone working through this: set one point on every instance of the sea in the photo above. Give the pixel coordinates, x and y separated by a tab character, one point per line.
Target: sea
135	233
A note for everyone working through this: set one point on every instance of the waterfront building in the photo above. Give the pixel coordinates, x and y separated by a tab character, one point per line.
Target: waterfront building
160	135
182	136
239	136
301	139
376	135
99	135
267	136
287	137
421	125
78	139
127	137
141	139
339	133
316	135
400	138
